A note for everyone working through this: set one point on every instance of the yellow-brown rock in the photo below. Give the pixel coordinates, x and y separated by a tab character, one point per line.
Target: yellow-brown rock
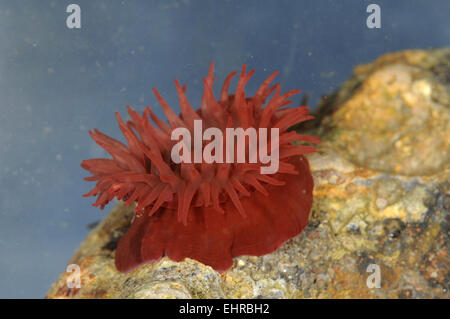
381	198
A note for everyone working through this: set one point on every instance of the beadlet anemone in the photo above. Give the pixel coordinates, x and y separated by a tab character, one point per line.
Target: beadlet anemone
210	212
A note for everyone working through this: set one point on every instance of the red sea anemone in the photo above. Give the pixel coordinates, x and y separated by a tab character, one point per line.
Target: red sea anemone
210	212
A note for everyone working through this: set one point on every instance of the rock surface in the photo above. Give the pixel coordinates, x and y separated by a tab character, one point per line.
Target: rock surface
393	115
381	202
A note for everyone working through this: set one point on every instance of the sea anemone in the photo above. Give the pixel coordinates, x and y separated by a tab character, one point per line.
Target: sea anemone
210	212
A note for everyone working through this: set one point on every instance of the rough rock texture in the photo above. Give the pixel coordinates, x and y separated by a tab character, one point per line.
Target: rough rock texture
393	115
382	179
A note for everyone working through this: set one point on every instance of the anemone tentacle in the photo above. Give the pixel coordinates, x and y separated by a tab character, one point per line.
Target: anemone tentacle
143	172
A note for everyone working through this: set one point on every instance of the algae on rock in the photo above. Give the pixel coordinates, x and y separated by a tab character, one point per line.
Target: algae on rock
381	197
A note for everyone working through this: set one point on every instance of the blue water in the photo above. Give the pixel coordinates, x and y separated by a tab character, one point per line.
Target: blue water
57	83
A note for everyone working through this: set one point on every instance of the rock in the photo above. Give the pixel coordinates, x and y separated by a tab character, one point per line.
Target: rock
381	198
393	116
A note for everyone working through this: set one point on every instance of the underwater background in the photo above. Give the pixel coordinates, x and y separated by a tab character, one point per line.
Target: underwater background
57	83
